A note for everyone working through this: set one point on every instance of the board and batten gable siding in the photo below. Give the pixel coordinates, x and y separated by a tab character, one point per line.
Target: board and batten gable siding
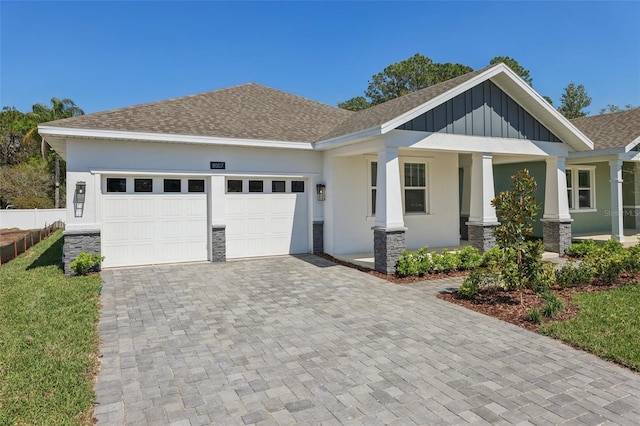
484	110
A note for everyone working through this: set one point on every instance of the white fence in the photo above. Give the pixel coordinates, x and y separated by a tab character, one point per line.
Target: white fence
31	219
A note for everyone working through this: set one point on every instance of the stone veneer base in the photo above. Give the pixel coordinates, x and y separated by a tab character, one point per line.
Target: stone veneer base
481	235
318	237
218	243
388	245
76	242
556	235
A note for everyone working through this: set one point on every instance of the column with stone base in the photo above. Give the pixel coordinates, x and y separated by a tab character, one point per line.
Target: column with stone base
318	237
388	245
76	242
481	235
218	243
556	235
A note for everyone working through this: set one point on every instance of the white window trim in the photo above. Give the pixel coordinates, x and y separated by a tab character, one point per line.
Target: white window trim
370	187
427	204
575	188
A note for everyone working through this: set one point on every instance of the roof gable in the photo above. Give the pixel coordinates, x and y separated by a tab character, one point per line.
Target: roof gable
614	130
248	111
484	110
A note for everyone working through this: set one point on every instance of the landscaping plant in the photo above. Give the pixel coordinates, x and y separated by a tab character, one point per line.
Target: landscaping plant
85	263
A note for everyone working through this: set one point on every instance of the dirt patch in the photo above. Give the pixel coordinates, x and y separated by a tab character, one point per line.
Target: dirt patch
7	236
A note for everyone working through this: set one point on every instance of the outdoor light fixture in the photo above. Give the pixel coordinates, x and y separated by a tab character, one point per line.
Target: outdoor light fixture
81	188
321	191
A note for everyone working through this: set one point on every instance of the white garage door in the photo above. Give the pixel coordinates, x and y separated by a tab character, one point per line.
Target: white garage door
141	229
266	224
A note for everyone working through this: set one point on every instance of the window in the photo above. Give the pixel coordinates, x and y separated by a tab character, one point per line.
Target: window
234	185
116	185
256	186
196	185
415	188
581	188
277	186
297	186
143	185
374	186
172	185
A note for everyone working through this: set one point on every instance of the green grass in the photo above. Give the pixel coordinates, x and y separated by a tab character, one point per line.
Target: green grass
608	325
48	339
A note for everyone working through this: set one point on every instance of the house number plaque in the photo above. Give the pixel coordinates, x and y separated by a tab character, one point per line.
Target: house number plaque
218	165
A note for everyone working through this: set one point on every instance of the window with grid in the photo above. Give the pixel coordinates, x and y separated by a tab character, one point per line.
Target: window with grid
581	188
415	188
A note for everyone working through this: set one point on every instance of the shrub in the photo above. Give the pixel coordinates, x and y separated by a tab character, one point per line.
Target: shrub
85	263
571	275
469	258
552	306
631	261
424	261
613	246
607	266
534	316
477	279
468	289
494	256
32	202
444	262
582	248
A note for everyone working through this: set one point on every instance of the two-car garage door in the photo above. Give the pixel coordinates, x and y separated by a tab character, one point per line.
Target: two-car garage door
156	223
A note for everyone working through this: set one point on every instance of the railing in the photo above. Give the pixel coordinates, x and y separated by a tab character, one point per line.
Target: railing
12	250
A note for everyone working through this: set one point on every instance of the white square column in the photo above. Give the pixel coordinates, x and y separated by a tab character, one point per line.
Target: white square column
482	215
617	210
556	220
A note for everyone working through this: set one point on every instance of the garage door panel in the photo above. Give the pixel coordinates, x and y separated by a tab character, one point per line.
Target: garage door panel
266	224
140	229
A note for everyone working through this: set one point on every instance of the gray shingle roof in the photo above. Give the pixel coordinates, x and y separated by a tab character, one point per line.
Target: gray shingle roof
248	111
382	113
614	130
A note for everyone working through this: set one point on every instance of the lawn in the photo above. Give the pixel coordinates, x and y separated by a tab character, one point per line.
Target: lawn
608	325
48	339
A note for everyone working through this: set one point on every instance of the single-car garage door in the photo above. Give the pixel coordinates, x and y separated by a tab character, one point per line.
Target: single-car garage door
141	228
266	218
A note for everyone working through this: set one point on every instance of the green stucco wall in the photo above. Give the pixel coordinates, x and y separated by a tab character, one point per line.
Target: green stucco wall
600	220
502	176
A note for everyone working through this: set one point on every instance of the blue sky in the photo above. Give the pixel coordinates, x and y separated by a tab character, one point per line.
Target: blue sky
105	55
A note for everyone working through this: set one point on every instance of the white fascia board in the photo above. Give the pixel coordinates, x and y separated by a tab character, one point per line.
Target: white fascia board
467	144
597	153
169	138
632	144
348	139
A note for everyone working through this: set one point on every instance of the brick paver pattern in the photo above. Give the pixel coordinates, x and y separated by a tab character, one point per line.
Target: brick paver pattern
299	340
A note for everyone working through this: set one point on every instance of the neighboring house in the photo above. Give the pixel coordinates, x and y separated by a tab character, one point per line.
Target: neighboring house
251	171
604	184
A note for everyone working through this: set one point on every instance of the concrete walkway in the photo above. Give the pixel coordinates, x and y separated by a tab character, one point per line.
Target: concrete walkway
303	341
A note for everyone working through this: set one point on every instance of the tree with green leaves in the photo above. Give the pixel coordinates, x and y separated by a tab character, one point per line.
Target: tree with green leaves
13	126
40	113
404	77
573	101
515	66
516	210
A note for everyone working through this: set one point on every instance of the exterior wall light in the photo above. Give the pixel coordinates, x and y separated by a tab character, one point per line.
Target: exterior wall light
321	191
81	189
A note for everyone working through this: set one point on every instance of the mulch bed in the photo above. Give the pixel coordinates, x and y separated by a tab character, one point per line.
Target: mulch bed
501	304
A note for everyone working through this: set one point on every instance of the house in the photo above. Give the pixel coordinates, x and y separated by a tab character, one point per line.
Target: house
252	171
604	184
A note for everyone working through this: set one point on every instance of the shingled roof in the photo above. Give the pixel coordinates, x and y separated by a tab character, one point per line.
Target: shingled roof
614	130
248	111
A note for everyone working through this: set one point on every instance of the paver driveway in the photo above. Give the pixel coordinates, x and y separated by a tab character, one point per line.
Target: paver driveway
301	340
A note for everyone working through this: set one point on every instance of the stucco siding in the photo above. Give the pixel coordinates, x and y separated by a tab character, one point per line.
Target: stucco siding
600	220
502	176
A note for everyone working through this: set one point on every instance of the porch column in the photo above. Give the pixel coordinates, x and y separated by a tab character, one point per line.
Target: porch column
388	229
482	215
617	211
556	220
217	215
465	165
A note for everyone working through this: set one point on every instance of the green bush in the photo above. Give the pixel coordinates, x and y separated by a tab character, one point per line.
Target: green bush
469	258
32	202
494	256
613	246
571	275
444	262
424	261
534	316
582	248
607	266
552	306
85	263
479	278
631	261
